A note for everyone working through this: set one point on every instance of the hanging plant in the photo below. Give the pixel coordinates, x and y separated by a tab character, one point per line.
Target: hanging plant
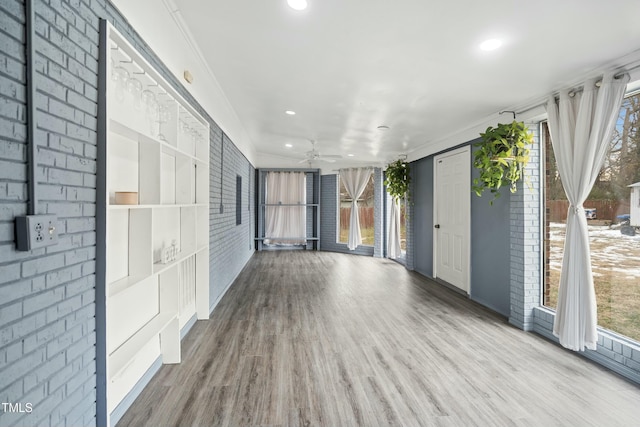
501	157
397	179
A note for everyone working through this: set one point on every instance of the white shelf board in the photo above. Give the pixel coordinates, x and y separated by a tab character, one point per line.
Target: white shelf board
158	206
124	355
120	128
159	267
118	286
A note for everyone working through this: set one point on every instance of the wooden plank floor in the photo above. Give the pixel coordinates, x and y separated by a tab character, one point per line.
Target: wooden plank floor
318	338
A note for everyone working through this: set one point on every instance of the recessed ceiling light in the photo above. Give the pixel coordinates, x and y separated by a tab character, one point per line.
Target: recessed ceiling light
491	44
297	4
383	127
291	113
288	145
350	155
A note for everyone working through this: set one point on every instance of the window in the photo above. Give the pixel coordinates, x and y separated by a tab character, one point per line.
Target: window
365	211
611	215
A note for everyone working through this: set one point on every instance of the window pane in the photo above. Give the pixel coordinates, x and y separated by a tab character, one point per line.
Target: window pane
365	211
612	209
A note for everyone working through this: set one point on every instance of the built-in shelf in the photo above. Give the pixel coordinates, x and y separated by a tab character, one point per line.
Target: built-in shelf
157	146
123	207
124	130
124	355
311	208
118	286
160	267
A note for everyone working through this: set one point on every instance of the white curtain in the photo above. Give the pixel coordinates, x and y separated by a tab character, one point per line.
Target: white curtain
282	222
581	128
393	245
355	180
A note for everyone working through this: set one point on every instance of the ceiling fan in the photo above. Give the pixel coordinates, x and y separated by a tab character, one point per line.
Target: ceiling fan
313	155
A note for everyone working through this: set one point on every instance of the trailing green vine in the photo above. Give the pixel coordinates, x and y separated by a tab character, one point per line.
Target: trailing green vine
501	157
397	179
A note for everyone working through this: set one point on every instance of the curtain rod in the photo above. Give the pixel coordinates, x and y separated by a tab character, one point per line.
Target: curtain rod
361	167
574	91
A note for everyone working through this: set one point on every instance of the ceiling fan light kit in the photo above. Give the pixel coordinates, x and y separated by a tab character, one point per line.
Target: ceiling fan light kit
314	155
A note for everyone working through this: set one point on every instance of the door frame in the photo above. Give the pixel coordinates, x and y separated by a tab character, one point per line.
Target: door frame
466	286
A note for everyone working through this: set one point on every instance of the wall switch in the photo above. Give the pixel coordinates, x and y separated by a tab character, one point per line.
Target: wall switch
36	231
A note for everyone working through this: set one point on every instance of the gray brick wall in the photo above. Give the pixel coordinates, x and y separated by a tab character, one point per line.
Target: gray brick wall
230	245
47	326
47	296
378	213
409	222
525	225
615	352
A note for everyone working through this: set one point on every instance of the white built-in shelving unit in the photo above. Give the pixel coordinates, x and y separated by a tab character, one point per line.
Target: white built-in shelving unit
157	146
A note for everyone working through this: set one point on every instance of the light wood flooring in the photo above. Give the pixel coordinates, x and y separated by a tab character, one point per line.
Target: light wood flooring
319	338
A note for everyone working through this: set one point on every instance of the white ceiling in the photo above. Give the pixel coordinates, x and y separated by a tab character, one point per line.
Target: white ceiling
347	67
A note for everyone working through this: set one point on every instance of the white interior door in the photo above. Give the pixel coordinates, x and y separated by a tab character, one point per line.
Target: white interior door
452	217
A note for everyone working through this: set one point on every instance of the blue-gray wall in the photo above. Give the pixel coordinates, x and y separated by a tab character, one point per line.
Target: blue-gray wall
490	256
421	216
47	296
490	244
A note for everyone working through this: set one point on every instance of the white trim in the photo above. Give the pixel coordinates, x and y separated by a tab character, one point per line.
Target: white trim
243	142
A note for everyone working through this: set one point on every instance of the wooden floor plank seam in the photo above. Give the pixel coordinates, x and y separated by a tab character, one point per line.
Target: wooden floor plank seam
319	338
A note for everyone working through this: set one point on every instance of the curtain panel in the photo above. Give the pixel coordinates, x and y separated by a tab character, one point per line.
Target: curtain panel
393	245
355	181
285	221
581	128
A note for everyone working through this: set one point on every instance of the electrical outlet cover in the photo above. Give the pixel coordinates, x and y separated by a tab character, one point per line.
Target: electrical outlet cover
36	231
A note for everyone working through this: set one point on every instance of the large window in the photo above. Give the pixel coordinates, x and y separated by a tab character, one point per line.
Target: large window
365	211
614	227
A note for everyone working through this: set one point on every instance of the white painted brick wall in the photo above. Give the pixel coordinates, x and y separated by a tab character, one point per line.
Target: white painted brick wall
526	241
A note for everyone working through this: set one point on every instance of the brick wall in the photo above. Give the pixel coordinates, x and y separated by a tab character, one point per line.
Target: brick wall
613	351
230	245
378	213
525	222
47	327
409	223
47	296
